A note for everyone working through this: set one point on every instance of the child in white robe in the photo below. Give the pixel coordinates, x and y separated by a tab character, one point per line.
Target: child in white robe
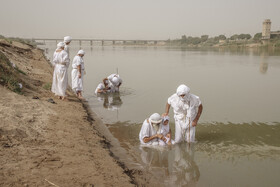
165	131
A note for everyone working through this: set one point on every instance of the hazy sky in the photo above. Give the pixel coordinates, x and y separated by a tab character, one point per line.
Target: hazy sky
135	19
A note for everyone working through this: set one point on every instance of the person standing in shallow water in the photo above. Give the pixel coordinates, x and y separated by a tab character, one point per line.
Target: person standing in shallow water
78	73
60	63
187	109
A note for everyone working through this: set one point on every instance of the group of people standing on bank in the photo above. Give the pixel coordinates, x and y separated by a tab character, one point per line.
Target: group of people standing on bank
155	130
61	61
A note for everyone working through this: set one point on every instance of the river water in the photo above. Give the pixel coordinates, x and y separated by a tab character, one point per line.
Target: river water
238	135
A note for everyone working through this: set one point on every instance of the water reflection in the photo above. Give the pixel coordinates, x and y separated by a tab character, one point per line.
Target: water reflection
111	101
264	64
175	163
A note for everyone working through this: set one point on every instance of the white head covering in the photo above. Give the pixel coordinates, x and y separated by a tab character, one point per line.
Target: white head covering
60	45
155	118
165	118
183	90
115	81
81	52
67	39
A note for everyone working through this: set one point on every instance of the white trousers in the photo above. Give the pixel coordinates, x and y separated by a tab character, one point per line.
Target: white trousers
184	131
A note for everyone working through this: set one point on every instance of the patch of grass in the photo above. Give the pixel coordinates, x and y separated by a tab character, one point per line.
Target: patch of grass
47	86
9	77
20	71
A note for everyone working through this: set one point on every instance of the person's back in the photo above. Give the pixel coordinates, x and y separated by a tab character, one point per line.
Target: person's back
60	57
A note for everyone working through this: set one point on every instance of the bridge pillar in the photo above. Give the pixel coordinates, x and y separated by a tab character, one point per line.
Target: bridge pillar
102	42
90	42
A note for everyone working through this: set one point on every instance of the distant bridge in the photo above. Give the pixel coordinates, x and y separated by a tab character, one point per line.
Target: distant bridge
103	41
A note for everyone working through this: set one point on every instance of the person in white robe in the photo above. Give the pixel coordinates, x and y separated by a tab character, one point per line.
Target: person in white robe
114	81
102	88
60	63
67	41
150	130
187	109
78	73
166	132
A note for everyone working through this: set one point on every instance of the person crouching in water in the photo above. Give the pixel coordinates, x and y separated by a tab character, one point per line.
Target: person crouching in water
166	132
78	73
150	131
60	63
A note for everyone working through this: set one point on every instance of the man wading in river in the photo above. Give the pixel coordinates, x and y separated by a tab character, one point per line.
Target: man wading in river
187	109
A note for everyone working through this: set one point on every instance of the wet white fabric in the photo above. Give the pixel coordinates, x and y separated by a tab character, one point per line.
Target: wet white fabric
60	77
147	130
164	131
100	86
185	111
77	83
114	87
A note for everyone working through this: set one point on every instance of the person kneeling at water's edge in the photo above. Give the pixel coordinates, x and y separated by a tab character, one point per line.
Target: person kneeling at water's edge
187	109
102	88
150	131
78	73
114	82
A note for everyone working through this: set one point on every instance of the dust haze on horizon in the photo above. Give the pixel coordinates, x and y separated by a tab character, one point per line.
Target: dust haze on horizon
135	19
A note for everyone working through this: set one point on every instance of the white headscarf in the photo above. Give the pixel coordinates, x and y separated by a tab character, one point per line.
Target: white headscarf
165	118
67	39
60	45
155	118
183	90
81	52
116	81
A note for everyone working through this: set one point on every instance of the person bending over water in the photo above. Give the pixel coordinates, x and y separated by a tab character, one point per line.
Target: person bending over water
150	131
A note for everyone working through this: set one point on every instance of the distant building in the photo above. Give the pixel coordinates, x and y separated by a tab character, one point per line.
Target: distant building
266	31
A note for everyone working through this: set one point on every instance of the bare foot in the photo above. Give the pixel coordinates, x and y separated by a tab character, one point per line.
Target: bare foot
64	99
81	97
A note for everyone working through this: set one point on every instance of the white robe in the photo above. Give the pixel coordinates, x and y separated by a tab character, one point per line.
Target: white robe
147	130
164	130
60	77
113	87
77	83
184	113
100	86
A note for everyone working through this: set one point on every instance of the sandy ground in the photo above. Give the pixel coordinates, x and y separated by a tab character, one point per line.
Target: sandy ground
46	144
